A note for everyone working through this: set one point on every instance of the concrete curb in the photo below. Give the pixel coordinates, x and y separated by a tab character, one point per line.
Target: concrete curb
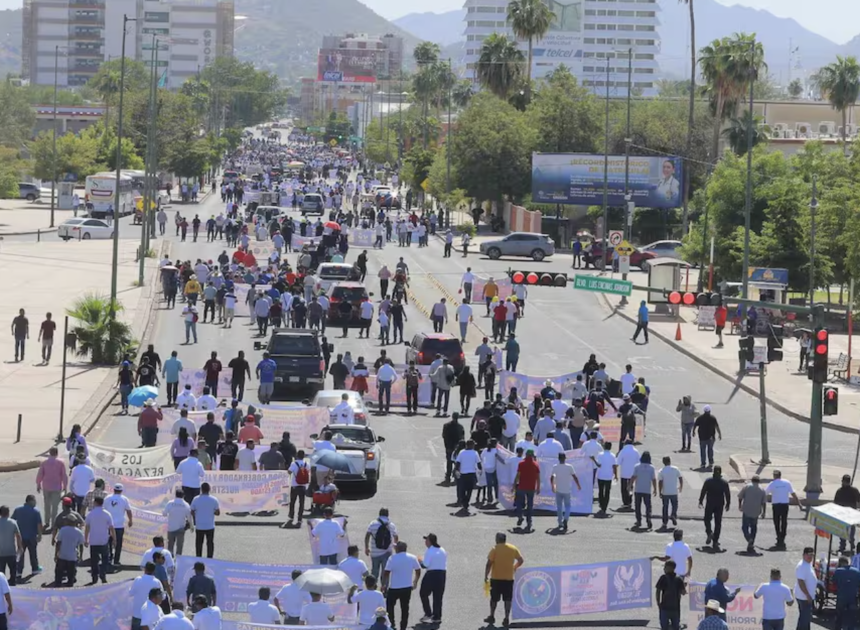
732	378
31	464
48	230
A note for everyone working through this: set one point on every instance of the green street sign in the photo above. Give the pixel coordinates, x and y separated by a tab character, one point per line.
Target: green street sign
602	285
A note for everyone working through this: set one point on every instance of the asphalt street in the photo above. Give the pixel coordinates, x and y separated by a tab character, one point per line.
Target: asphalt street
560	329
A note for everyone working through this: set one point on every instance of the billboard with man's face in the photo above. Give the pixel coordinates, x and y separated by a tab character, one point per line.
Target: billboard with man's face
347	66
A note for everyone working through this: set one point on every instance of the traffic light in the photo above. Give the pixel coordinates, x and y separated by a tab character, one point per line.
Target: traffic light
539	278
695	299
831	401
820	349
774	343
746	345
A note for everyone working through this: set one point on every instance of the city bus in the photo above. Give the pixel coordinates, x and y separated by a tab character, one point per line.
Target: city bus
100	195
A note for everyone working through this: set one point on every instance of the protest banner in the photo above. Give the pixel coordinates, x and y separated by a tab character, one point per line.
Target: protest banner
742	613
197	380
241	293
238	584
610	427
398	389
138	538
102	606
582	589
581	501
132	462
529	386
506	289
343	543
299	241
362	238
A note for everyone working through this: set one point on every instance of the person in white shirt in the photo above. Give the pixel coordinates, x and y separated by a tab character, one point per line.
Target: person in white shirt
140	589
559	407
550	447
80	481
466	282
680	553
385	377
368	600
607	470
291	598
158	545
207	402
489	459
400	578
353	566
204	509
247	458
781	492
776	596
544	426
512	426
439	315
467	463
435	563
186	400
628	458
118	507
178	514
298	490
191	473
463	315
328	533
365	314
670	483
528	442
206	617
317	612
150	613
628	380
561	481
262	611
805	588
380	545
184	422
343	412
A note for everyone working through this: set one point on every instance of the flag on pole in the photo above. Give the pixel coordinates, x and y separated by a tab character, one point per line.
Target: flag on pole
162	82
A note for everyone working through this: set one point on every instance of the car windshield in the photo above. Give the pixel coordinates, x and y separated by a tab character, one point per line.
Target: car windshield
349	294
445	347
74	221
300	346
334	272
354	434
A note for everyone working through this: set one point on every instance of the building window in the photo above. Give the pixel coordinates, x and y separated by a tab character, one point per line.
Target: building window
644	84
643	70
626	13
590	27
644	56
588	40
644	27
486	10
624	41
646	14
644	42
625	27
588	68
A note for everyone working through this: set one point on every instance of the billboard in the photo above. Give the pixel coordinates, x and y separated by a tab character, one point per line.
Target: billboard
343	65
562	44
577	179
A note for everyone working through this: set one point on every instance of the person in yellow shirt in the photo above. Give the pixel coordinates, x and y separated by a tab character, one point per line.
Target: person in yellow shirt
502	564
491	290
192	289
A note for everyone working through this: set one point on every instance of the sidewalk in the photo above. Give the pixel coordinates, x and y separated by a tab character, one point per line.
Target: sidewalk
49	277
747	464
787	390
23	217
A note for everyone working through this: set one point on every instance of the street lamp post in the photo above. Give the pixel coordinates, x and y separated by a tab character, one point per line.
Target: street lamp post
606	174
813	207
748	196
54	141
628	197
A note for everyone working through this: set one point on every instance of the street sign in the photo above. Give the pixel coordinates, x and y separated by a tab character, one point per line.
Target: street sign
624	264
624	248
615	237
425	184
602	285
333	142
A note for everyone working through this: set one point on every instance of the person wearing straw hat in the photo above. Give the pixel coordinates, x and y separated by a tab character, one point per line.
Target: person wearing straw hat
712	620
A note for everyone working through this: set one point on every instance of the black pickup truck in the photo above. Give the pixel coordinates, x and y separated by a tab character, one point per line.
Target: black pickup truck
299	356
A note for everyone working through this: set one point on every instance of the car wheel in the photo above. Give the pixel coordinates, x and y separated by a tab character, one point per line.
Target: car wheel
31	197
494	253
643	265
538	255
87	236
66	238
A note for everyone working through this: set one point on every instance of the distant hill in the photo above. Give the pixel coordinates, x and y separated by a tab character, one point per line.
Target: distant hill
11	31
441	28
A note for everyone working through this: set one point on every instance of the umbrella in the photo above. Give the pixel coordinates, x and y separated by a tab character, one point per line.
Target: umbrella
170	268
332	225
324	581
141	394
332	460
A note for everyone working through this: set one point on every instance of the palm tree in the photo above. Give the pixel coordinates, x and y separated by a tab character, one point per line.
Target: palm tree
840	82
500	64
462	93
426	53
107	84
692	105
100	335
795	88
736	132
530	20
728	66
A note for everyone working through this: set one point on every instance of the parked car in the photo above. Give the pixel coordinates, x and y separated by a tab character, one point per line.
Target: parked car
331	398
84	229
424	347
353	292
360	445
639	258
30	192
527	244
313	203
664	249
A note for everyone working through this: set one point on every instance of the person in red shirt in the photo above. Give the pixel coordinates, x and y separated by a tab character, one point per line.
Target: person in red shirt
720	316
250	431
500	314
527	484
213	369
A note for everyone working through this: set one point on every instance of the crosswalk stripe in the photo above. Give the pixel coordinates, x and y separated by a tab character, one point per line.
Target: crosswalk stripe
407	468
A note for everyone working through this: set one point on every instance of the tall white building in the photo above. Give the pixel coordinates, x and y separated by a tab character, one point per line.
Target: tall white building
85	33
583	36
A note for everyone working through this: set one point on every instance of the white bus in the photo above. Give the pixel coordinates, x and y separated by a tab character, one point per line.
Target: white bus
100	195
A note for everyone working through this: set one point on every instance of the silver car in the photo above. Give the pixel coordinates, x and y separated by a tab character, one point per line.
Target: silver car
664	249
527	244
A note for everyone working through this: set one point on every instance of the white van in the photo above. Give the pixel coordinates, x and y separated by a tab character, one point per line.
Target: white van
313	204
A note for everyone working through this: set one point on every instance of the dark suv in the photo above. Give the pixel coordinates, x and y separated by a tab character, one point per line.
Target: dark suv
353	292
425	346
299	357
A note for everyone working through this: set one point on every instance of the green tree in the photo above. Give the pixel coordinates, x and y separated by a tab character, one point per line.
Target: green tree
795	88
462	93
426	53
529	20
500	65
840	82
739	127
567	116
101	336
240	94
10	168
76	154
417	163
17	118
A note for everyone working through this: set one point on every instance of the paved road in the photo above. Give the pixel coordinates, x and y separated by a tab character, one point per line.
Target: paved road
560	329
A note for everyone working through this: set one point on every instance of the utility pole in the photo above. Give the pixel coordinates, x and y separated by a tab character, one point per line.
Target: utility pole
606	174
448	154
116	207
400	115
813	206
748	196
628	197
813	458
144	222
388	126
54	149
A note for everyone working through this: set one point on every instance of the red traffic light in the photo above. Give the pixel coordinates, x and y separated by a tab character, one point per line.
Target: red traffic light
821	335
518	277
689	299
674	297
830	394
532	278
821	349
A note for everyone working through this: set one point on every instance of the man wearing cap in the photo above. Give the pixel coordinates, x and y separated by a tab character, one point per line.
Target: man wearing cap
118	507
752	503
709	430
435	563
712	620
776	596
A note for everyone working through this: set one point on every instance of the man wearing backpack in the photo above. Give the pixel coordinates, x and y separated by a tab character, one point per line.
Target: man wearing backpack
379	541
300	478
413	379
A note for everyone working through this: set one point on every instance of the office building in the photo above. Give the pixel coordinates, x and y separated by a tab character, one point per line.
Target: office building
190	34
584	34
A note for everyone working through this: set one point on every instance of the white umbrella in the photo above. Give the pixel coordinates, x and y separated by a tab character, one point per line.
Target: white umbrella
324	582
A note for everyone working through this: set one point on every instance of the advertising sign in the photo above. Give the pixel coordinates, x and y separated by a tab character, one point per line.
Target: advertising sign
742	613
343	65
572	178
582	589
562	44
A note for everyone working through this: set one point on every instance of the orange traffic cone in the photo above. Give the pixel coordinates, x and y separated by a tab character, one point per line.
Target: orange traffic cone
678	333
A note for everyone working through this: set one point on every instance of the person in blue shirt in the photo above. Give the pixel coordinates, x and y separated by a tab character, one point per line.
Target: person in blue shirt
641	321
29	521
171	370
847	580
266	375
512	348
577	253
716	589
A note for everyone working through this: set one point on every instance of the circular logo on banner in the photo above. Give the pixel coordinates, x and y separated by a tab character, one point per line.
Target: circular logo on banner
535	592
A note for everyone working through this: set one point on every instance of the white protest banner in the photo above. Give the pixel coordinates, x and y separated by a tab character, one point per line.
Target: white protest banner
506	289
299	422
247	625
581	500
529	386
301	241
398	389
238	584
742	613
610	427
362	238
132	462
138	538
197	380
342	543
103	606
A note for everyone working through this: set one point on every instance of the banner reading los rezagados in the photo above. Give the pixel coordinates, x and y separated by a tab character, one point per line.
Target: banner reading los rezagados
132	462
581	500
582	589
103	606
744	612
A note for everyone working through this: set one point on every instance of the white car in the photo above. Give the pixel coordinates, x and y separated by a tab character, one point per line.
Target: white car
664	249
331	398
84	229
360	445
329	273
